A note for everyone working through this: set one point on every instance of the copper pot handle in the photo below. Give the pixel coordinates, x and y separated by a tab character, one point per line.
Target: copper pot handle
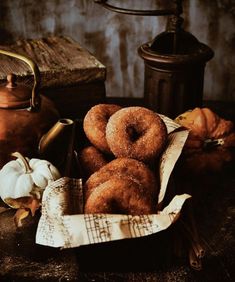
35	98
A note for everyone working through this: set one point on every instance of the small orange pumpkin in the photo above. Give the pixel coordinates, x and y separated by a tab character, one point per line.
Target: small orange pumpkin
204	124
210	140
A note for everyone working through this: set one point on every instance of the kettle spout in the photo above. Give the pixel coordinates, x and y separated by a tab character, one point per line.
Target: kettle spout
53	145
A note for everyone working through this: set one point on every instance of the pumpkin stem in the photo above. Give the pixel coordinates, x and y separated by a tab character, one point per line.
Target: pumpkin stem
23	159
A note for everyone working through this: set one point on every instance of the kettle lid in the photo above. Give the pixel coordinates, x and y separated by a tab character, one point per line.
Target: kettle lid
13	96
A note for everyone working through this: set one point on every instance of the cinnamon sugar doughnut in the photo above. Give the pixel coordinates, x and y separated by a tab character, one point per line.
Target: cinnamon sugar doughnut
91	160
120	196
136	132
95	122
123	167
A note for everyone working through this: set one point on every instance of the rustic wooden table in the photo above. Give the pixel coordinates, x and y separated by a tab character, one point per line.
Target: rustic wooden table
144	259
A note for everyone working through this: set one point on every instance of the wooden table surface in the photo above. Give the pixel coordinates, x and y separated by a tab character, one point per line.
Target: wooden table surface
144	259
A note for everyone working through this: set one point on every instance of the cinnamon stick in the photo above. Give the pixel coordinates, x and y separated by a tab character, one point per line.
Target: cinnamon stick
194	240
194	261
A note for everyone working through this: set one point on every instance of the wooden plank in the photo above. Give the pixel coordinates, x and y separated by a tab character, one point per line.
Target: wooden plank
61	62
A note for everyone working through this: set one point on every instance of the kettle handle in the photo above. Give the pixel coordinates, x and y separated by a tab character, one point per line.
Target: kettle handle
35	97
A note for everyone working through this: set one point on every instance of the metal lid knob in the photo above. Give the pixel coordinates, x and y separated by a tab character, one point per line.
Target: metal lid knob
11	80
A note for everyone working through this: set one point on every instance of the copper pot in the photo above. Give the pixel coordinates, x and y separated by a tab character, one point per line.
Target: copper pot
24	114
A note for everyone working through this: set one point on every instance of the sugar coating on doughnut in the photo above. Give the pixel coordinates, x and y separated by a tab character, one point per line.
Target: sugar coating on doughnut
95	122
124	167
119	196
91	160
136	132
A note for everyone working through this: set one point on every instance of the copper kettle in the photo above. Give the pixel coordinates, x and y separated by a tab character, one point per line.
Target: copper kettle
25	115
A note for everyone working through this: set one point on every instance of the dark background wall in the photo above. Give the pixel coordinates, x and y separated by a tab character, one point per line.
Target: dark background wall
114	38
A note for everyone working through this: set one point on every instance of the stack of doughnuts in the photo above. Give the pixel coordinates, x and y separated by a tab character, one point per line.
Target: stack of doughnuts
123	144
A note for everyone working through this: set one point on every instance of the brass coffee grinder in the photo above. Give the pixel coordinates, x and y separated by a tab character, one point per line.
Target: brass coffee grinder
174	63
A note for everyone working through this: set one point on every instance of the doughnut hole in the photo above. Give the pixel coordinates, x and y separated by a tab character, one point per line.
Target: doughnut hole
134	132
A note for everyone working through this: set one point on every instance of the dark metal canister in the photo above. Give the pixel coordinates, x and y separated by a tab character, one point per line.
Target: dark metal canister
174	72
